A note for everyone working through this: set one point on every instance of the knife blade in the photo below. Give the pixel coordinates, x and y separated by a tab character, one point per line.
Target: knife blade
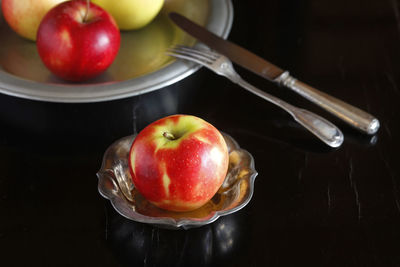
354	116
234	52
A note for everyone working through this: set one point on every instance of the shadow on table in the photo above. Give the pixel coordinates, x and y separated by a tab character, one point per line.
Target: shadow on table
137	244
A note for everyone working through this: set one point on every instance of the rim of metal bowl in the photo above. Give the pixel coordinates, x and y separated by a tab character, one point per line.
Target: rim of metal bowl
220	22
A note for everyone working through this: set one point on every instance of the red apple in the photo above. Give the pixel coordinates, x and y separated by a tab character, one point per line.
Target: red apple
24	16
76	43
179	162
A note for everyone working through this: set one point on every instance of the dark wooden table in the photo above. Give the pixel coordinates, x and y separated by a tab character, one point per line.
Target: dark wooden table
312	206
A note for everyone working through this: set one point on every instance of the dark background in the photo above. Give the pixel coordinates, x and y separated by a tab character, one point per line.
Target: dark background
312	206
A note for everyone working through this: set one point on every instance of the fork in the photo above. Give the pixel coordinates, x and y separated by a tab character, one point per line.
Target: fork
320	127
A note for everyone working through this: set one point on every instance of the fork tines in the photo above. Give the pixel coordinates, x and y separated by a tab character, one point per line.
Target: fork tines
199	56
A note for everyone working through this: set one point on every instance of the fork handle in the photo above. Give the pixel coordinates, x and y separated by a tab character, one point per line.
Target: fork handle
320	127
355	117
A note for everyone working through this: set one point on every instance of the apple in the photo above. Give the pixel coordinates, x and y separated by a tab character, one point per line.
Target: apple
132	14
77	43
179	162
24	16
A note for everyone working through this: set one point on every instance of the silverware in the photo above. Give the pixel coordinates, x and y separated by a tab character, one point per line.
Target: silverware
323	129
355	117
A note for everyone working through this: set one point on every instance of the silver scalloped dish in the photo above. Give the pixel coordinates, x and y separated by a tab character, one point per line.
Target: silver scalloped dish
115	184
141	65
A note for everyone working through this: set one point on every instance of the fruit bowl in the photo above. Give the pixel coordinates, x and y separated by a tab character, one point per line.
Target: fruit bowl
115	184
141	64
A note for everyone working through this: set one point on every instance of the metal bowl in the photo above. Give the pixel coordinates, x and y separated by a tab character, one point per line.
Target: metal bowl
115	184
141	65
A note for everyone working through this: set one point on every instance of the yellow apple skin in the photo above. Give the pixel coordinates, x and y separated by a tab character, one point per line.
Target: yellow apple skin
24	16
131	14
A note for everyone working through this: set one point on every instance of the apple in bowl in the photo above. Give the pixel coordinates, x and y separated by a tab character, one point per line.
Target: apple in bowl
24	16
179	162
78	40
132	14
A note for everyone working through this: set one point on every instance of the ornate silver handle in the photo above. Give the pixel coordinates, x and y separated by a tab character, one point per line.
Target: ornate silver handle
320	127
355	117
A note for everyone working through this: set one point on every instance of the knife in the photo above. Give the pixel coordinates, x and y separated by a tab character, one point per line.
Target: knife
354	116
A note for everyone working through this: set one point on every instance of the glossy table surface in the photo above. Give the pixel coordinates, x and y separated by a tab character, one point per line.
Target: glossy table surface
312	205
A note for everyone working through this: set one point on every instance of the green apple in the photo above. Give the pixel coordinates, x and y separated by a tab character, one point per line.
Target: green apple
131	14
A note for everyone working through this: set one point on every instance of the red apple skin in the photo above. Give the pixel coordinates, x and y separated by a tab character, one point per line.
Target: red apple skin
183	174
75	49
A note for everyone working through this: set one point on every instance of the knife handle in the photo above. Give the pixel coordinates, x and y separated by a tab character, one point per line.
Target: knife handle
355	117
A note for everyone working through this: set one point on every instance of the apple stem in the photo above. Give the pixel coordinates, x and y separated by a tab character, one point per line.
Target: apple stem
169	136
87	10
